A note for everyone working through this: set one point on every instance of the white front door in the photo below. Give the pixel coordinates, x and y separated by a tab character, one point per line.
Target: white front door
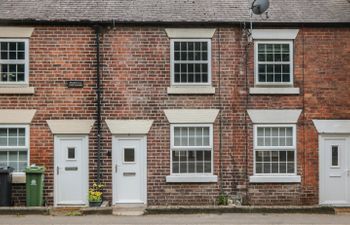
71	170
334	170
129	170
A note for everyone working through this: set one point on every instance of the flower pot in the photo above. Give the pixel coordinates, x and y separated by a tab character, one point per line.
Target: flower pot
95	204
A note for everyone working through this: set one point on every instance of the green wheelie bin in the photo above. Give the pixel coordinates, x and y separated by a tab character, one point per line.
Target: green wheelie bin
35	185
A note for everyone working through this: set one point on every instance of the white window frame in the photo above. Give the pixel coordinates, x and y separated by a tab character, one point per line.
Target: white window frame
286	148
291	63
172	62
210	147
12	61
16	148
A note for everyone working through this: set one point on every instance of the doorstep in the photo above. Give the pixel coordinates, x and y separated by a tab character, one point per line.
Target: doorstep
342	210
239	209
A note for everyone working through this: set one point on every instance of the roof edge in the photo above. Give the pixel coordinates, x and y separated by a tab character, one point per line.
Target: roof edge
6	22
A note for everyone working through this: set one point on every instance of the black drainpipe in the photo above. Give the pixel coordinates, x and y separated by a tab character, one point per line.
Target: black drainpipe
98	102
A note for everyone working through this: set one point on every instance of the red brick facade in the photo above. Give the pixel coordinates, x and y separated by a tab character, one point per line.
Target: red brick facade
135	76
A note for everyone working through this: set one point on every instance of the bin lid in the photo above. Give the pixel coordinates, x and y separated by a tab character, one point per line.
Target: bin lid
35	169
6	169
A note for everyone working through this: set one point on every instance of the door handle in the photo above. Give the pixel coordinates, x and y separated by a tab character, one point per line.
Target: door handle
116	168
58	170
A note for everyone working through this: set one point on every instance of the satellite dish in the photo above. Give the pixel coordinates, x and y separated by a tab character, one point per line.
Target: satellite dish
260	6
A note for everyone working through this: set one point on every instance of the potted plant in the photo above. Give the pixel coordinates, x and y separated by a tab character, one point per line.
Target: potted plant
95	195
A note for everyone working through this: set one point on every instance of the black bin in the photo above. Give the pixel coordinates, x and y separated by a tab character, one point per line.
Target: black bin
5	186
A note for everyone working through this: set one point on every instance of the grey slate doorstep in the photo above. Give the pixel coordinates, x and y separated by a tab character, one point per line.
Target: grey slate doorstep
179	210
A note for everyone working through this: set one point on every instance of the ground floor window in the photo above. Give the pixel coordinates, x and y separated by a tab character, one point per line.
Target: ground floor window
191	149
275	150
14	147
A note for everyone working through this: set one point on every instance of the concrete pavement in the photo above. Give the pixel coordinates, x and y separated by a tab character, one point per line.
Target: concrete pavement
179	219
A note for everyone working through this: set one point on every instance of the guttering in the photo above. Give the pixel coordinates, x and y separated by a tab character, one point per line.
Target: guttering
98	101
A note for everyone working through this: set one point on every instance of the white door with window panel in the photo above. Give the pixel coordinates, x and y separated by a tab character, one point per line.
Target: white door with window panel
129	170
71	170
335	170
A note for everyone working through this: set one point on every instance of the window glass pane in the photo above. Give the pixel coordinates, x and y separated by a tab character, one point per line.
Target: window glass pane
13	156
192	137
258	168
274	168
71	153
183	167
258	156
14	165
191	167
3	156
207	155
22	166
3	141
184	136
3	132
176	156
200	155
335	155
200	167
290	167
22	156
176	168
129	155
207	167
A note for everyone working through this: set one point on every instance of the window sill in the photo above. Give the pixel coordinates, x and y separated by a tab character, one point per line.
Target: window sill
181	90
192	179
275	179
18	178
24	90
274	91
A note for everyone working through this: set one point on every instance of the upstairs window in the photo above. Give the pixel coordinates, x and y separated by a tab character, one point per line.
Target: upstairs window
14	147
274	62
14	61
190	61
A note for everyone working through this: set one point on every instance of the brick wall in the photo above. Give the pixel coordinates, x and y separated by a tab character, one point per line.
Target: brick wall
18	194
135	77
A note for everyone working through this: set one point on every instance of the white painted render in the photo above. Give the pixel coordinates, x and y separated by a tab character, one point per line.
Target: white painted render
129	126
191	115
70	126
16	32
16	116
279	116
274	91
191	90
275	34
17	90
332	126
189	32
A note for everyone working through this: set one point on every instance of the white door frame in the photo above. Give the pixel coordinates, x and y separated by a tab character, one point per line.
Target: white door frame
143	139
321	155
85	166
